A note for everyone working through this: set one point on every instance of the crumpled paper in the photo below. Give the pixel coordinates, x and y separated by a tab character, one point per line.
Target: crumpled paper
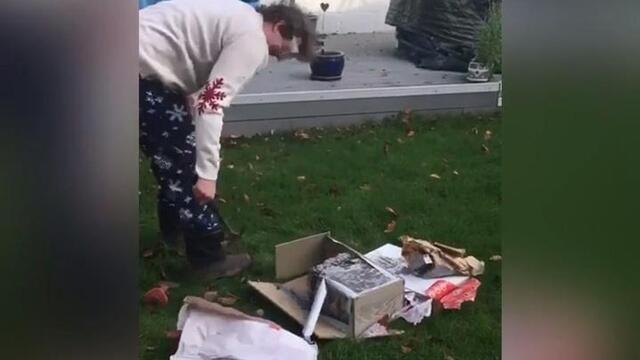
212	331
437	260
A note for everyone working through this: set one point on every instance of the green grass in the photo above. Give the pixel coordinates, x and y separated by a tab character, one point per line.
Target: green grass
348	183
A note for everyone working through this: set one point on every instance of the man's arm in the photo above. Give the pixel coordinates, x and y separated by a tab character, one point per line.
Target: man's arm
240	58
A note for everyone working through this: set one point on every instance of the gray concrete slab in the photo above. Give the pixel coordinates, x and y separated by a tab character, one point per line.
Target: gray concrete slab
371	61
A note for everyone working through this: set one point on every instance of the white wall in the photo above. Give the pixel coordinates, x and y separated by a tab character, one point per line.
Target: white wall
347	16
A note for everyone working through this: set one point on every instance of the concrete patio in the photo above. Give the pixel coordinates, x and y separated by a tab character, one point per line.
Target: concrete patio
376	83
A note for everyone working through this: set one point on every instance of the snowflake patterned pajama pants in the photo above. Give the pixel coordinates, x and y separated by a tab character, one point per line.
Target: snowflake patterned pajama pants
167	139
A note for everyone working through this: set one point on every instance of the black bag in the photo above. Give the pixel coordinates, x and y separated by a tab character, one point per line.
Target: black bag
438	34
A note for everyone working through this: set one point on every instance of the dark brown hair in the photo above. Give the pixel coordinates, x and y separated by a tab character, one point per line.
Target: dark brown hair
296	25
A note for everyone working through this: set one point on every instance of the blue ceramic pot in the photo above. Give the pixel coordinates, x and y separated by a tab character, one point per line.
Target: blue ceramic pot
327	66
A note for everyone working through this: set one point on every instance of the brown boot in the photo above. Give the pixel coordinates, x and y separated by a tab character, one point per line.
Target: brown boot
231	265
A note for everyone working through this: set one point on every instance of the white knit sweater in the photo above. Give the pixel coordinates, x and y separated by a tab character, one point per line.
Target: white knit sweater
208	50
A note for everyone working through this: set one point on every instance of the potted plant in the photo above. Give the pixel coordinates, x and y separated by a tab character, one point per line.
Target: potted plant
327	65
488	60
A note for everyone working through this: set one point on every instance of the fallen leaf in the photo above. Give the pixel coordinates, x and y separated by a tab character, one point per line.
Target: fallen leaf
250	166
455	172
228	300
339	208
230	166
400	141
411	133
485	148
222	200
257	158
448	357
365	187
391	227
150	348
301	134
147	253
405	349
487	135
475	131
435	176
232	136
393	212
387	146
246	197
210	296
260	312
496	258
302	178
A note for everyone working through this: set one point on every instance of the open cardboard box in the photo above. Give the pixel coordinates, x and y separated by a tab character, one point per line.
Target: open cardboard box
293	261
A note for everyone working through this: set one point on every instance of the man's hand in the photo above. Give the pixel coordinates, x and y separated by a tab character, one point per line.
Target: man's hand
204	191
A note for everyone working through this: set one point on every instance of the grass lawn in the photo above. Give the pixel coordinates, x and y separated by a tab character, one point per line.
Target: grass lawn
350	176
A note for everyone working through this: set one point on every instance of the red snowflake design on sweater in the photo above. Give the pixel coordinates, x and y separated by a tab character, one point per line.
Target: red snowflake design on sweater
211	96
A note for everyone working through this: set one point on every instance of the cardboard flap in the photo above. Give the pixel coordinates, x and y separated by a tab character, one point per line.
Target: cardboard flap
289	305
296	257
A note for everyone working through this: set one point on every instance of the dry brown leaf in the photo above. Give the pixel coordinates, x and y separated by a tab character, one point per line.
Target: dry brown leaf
496	258
231	166
487	135
435	176
228	300
400	141
405	349
411	133
475	131
365	187
390	210
448	357
222	200
391	227
301	134
246	197
302	178
485	148
147	253
250	166
257	158
455	172
387	146
150	348
210	296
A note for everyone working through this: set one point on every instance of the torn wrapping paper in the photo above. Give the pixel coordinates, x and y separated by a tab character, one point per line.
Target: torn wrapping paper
417	309
212	331
466	292
441	288
436	260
